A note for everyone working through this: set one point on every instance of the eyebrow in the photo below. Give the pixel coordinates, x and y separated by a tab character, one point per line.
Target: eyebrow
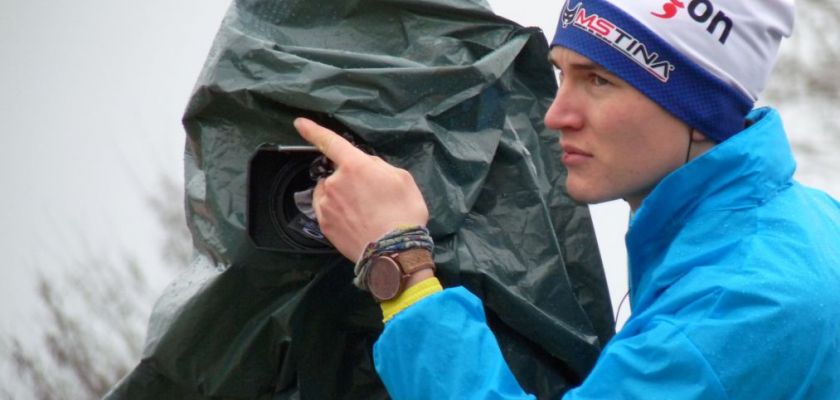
580	65
586	65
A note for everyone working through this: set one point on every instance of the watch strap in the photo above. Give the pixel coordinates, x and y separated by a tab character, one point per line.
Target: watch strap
399	240
413	260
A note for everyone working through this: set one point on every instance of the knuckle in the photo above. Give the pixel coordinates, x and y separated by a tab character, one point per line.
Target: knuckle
405	176
318	193
353	165
326	225
328	187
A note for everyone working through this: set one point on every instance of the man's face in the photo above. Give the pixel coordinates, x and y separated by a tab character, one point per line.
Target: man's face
616	142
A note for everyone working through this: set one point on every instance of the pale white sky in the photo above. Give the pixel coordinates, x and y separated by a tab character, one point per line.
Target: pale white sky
91	97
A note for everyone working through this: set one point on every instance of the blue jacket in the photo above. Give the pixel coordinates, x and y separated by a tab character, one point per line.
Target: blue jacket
734	282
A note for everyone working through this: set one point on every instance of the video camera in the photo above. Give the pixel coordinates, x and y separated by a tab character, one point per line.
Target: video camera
280	180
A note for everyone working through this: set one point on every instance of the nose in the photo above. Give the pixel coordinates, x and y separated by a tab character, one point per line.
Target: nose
564	114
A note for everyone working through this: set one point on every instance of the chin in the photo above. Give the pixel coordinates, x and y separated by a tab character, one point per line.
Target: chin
587	194
583	197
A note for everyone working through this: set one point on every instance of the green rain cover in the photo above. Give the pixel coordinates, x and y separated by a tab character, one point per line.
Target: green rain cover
443	88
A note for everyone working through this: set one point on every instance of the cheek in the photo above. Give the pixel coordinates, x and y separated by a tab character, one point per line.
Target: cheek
641	133
623	139
640	145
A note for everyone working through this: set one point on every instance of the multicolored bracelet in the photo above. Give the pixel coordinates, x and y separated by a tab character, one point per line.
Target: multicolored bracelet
400	239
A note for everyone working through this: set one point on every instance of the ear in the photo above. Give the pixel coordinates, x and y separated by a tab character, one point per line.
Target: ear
700	143
699	137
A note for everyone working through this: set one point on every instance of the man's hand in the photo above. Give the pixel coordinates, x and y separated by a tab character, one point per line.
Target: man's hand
364	198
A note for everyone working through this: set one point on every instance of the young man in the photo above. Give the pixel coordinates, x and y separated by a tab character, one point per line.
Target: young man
734	266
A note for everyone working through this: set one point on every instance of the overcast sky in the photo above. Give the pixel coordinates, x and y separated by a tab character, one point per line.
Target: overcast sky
91	96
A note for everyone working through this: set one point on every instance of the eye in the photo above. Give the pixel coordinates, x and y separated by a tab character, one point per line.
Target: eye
559	73
598	80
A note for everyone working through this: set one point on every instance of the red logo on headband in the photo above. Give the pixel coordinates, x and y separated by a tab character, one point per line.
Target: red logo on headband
621	40
700	11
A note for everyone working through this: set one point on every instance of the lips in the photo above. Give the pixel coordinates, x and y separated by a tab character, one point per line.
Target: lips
573	156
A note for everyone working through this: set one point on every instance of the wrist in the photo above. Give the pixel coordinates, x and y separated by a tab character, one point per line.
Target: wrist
388	275
409	297
418	277
398	260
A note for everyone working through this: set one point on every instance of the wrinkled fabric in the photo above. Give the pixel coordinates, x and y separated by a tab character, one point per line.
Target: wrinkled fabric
443	88
457	357
734	270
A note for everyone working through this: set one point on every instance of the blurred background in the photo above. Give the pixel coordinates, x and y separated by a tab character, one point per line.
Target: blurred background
91	210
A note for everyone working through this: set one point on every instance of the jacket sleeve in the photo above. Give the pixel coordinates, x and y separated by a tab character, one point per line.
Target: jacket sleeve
659	362
441	348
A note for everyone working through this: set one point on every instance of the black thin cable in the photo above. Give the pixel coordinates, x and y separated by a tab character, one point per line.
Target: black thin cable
620	303
690	142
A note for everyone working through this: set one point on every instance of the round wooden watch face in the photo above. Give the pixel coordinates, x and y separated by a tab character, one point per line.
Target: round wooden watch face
384	279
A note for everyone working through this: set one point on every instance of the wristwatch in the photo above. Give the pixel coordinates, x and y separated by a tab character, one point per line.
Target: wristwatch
387	273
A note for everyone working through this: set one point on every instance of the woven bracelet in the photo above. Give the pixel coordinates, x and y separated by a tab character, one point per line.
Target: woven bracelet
400	239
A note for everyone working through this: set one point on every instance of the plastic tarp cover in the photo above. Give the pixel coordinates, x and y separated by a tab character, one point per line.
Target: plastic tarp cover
443	88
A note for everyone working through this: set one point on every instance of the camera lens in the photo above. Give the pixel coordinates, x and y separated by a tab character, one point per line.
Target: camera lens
292	177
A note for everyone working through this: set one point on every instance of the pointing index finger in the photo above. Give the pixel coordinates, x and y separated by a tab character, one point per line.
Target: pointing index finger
331	144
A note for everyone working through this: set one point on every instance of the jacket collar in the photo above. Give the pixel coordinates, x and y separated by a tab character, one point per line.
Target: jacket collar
741	172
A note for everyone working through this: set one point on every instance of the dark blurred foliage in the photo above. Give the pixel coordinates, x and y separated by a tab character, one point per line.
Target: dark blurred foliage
805	86
808	62
97	312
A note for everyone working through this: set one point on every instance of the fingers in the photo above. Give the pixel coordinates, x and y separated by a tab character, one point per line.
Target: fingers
333	146
317	195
